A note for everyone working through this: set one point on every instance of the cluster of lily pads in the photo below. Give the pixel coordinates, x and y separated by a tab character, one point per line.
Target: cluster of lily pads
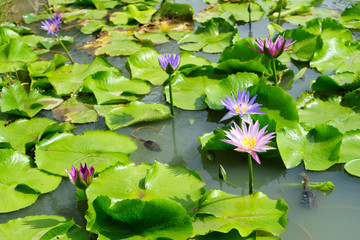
156	201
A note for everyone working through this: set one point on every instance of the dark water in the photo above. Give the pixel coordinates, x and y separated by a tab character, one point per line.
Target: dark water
337	215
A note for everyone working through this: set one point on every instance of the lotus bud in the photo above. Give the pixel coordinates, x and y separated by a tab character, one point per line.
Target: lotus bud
82	177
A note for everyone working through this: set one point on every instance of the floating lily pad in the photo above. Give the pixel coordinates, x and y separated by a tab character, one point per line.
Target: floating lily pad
110	87
69	78
215	35
353	167
42	227
240	10
350	146
83	14
23	134
63	150
222	212
301	19
139	13
15	100
74	111
109	43
319	148
146	182
332	113
136	112
351	17
21	185
15	55
159	218
170	10
189	92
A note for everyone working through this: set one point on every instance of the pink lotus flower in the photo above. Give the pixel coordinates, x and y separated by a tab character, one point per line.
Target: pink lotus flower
250	140
273	50
82	177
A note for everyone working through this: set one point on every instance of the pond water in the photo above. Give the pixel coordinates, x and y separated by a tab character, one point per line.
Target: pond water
335	217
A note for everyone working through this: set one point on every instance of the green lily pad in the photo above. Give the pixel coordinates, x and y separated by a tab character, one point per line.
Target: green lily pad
69	78
7	33
110	87
20	185
83	14
74	111
332	113
351	17
272	99
350	146
303	18
42	227
63	150
23	134
139	13
146	182
15	100
319	148
240	10
212	140
328	28
189	93
215	10
338	82
169	10
215	35
222	212
90	26
219	90
136	112
32	17
353	167
135	219
109	43
15	55
144	65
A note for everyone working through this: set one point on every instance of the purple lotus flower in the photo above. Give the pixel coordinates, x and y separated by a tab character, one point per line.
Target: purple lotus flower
273	50
82	177
240	105
169	62
52	25
250	140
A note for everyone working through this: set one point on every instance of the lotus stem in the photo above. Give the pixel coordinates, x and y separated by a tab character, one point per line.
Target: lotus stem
251	177
72	61
274	70
171	97
281	4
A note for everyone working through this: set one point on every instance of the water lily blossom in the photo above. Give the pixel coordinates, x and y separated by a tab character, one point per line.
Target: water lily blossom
241	105
52	25
169	62
273	49
250	140
82	177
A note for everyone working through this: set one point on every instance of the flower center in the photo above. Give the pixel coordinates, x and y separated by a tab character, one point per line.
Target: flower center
53	27
241	108
249	142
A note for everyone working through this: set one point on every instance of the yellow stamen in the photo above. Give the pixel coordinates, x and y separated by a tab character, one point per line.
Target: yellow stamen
53	27
249	142
241	108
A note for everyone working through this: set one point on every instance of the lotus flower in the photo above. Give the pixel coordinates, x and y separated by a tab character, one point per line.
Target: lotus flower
250	140
240	105
52	25
273	50
82	177
169	62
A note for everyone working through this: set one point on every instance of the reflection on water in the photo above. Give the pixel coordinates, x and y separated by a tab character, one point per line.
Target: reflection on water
336	216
